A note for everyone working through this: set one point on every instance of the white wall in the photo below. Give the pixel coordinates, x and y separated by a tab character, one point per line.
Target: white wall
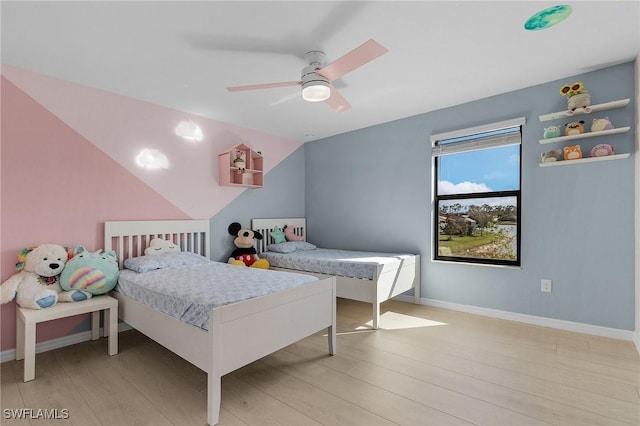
637	224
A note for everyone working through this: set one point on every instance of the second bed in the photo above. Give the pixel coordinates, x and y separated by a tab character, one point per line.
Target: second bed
370	277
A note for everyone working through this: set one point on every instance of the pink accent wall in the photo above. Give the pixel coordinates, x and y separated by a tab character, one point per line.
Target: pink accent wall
68	164
58	187
121	126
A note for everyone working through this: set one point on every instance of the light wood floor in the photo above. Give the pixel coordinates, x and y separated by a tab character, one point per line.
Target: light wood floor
427	366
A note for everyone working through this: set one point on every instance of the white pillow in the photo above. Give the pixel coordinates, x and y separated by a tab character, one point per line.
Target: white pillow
158	245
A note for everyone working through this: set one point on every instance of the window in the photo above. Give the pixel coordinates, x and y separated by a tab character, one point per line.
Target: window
477	194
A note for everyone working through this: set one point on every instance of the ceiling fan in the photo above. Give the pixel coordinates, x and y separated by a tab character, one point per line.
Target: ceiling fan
316	79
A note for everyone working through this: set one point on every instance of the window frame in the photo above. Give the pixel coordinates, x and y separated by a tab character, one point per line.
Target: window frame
437	199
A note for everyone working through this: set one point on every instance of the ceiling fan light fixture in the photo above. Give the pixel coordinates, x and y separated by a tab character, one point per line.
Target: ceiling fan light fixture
316	91
316	78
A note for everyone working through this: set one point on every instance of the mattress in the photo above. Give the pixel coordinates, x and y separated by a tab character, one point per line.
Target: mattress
345	263
190	292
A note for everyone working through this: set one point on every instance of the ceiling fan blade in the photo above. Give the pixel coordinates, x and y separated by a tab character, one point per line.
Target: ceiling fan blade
337	101
359	56
264	86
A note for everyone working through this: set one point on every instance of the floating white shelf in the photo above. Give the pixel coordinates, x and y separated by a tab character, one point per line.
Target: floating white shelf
584	160
580	111
585	135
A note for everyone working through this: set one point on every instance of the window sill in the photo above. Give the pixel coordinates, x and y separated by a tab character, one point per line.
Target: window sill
449	262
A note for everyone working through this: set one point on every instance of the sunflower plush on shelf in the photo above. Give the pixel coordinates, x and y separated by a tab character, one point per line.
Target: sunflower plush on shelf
577	97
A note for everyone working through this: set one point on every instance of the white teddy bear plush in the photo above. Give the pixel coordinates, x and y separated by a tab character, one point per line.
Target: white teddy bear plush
36	285
159	246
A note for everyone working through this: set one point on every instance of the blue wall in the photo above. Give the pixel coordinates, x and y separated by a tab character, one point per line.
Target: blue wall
282	196
371	189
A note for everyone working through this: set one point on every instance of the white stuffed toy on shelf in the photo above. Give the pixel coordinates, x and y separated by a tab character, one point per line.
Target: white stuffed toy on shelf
36	285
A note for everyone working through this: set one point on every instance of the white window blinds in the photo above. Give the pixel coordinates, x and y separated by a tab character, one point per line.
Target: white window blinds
475	138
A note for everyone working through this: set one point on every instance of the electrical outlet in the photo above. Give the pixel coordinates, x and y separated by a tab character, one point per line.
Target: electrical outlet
545	285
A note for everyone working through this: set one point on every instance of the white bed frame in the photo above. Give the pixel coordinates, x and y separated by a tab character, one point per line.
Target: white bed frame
390	280
239	333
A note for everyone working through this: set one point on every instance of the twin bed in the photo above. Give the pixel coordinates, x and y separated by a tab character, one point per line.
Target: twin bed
221	334
221	317
364	276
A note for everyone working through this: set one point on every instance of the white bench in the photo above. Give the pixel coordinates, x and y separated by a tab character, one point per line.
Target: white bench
26	320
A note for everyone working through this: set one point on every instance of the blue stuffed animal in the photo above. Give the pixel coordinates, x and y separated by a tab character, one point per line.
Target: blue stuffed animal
95	273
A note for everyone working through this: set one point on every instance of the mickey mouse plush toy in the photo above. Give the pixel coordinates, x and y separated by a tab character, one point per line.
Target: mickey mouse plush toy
245	253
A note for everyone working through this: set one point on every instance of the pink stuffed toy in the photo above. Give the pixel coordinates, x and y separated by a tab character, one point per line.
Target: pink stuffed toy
602	150
290	235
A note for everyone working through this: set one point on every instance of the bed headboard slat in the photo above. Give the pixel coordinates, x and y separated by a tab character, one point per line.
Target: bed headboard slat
264	226
130	238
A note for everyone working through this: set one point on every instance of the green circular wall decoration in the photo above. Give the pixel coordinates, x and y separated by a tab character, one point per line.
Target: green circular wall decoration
548	17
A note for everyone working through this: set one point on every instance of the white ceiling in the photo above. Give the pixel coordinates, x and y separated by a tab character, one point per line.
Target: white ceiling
183	54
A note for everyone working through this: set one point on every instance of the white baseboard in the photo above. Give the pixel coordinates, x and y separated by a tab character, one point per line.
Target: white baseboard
577	327
10	354
60	342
